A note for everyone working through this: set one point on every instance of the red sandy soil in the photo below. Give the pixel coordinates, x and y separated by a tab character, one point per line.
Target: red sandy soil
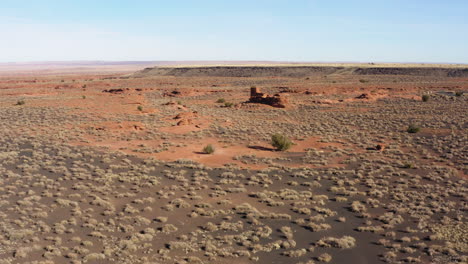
68	91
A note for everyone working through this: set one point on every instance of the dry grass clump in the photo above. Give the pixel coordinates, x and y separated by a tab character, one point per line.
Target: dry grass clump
287	232
325	257
318	227
344	242
358	207
295	253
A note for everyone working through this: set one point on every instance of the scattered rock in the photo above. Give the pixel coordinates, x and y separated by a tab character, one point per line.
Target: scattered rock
114	91
186	118
380	147
363	96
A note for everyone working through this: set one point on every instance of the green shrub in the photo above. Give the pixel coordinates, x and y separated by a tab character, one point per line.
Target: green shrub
363	81
140	108
458	94
221	100
413	129
228	104
281	142
425	98
83	96
20	102
208	149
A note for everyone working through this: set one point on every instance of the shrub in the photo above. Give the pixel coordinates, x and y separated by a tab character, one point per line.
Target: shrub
140	108
83	96
20	102
408	165
425	98
413	129
208	149
221	100
228	104
281	142
363	81
458	94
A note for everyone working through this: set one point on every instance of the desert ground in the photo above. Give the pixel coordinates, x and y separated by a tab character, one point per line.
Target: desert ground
107	164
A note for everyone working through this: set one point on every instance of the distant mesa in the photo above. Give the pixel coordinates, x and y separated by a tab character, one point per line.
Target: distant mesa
302	71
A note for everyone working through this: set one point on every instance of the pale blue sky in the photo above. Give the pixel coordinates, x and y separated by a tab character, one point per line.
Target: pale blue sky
288	30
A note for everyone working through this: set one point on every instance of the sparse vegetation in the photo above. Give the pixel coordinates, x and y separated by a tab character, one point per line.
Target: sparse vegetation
151	198
140	108
425	98
20	102
221	101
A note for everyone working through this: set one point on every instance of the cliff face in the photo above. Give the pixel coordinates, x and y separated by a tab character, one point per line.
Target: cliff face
298	71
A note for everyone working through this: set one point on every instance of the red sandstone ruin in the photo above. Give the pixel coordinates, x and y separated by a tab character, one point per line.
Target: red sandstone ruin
277	100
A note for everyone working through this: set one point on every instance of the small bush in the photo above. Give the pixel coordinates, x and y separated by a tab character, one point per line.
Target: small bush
20	102
228	104
425	98
281	142
458	94
221	100
140	108
413	129
84	96
408	166
363	81
208	149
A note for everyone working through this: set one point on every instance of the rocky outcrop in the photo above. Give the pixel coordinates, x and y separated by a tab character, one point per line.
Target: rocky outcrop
186	118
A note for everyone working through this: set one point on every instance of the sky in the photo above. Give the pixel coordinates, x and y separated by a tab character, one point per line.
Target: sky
431	31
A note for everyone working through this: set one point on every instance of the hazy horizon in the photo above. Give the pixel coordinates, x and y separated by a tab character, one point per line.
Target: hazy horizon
303	31
211	62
